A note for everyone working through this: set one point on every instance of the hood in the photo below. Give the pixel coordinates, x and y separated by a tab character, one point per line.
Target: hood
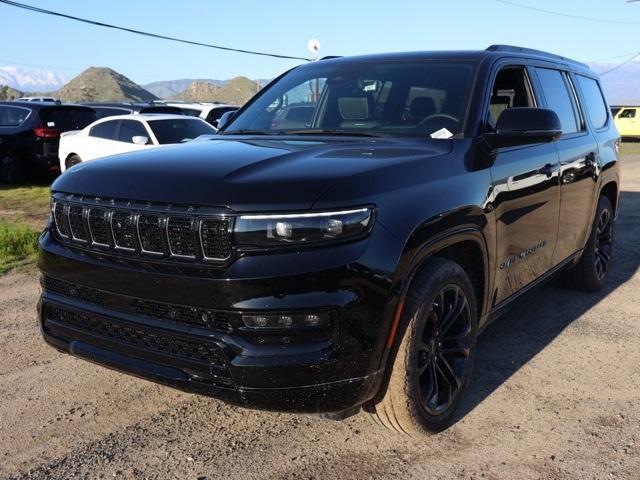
242	173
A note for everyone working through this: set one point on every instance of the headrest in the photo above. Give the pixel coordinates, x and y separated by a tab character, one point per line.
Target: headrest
422	107
500	100
353	108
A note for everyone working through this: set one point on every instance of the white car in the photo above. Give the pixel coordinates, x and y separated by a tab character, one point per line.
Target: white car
126	133
37	99
211	112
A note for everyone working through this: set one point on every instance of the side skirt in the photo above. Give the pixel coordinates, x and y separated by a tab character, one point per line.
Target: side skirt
500	309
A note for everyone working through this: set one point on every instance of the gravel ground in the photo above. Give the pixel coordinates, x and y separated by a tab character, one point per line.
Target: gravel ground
555	395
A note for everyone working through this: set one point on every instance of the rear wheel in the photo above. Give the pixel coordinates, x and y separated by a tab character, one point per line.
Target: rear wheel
72	160
11	169
589	273
435	356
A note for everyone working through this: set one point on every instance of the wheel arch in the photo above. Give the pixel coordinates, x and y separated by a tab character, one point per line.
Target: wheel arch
612	192
465	245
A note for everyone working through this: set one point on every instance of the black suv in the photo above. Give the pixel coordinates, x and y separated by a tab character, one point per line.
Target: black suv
350	261
30	135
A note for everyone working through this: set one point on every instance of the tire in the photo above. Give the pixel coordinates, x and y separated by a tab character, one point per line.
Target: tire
589	274
11	169
411	401
72	160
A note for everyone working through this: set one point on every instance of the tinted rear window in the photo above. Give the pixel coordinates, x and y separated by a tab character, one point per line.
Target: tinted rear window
171	110
179	130
192	112
106	130
13	116
103	112
67	118
596	106
130	129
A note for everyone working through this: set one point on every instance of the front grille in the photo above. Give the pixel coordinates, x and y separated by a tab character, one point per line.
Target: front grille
76	223
99	226
137	337
202	317
150	231
61	219
123	225
80	292
181	235
214	235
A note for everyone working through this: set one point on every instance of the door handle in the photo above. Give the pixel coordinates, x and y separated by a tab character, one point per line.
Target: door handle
546	170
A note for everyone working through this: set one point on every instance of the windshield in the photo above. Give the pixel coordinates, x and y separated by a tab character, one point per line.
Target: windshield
408	98
179	130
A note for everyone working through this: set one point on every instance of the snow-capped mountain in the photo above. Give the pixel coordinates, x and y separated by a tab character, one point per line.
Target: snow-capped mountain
622	85
31	79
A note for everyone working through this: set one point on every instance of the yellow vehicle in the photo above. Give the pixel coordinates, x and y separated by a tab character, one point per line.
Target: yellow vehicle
627	120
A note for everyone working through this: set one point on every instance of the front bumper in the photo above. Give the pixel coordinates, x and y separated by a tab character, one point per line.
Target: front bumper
316	373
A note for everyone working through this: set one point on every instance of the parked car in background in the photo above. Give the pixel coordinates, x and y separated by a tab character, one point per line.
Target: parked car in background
351	262
211	112
126	133
627	120
296	115
37	99
109	109
30	134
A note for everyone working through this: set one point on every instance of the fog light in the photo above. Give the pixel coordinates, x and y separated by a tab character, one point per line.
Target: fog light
286	321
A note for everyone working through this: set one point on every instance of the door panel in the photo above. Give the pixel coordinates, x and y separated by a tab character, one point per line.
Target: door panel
526	202
578	176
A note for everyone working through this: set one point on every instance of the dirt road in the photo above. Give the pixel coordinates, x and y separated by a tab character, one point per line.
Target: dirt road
556	394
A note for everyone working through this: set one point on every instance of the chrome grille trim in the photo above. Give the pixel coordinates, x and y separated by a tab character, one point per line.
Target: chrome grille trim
106	225
80	227
160	232
181	242
60	218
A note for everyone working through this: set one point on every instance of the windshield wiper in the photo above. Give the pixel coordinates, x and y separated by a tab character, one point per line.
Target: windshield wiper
246	131
329	132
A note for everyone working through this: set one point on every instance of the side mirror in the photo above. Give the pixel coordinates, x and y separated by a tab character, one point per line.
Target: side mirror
525	126
140	140
225	118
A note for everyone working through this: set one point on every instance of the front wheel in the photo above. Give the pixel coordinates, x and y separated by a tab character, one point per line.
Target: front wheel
589	273
435	356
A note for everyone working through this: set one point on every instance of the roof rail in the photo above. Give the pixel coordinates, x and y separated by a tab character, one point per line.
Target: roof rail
329	57
532	51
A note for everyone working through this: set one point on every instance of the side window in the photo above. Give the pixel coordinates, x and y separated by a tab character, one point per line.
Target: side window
13	117
106	130
559	98
628	113
130	129
510	89
594	101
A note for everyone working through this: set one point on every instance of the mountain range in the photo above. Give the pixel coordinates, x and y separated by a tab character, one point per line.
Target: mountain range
31	79
621	86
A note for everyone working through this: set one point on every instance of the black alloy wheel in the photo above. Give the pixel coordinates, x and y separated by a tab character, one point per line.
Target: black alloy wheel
604	243
443	352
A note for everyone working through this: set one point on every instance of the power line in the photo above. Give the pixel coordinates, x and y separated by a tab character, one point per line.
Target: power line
147	34
636	55
568	15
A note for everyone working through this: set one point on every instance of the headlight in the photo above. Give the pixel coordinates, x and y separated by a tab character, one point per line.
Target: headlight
302	228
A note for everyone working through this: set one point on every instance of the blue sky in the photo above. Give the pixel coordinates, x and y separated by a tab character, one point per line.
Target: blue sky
344	27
